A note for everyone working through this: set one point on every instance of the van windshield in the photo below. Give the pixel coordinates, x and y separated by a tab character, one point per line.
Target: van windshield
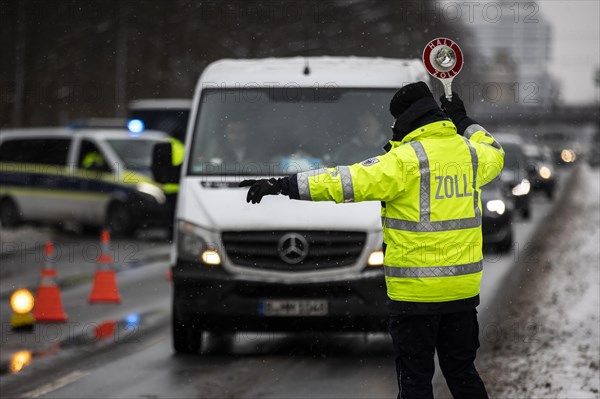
274	131
135	153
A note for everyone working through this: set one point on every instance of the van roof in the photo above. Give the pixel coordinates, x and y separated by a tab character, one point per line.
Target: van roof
161	104
70	132
327	71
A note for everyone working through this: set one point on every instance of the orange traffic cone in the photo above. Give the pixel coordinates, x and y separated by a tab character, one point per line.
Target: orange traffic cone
105	281
48	304
105	330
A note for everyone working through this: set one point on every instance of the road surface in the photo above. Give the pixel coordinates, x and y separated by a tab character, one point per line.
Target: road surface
79	359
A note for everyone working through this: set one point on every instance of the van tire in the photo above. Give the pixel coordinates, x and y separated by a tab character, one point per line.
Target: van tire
187	337
10	216
119	221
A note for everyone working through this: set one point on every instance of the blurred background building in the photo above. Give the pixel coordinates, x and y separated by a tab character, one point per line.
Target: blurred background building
66	60
75	59
513	45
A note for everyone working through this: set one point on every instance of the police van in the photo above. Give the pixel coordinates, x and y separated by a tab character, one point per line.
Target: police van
283	265
94	177
169	115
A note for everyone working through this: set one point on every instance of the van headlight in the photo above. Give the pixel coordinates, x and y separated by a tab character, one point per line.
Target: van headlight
153	191
192	247
497	206
375	258
211	257
521	188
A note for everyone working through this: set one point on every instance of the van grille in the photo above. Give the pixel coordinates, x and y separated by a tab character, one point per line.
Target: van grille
264	249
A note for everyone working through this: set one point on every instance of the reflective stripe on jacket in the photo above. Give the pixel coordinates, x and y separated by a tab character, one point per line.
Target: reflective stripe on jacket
430	183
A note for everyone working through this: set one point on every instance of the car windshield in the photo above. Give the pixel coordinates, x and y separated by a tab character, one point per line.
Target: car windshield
135	153
288	130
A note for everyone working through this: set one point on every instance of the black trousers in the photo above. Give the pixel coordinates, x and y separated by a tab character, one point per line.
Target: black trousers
454	335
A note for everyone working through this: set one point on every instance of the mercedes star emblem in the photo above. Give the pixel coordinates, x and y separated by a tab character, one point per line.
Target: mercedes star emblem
292	248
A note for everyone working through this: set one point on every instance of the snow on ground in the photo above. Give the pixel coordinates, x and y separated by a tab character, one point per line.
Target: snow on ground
548	336
21	238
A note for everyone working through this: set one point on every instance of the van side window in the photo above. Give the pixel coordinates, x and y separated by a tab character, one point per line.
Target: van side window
90	157
50	151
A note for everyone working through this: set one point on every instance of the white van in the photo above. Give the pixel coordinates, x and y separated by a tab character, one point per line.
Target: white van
282	265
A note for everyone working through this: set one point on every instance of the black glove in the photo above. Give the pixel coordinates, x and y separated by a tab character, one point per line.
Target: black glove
455	109
260	188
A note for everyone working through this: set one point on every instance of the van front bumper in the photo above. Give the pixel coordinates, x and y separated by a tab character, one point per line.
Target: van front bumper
217	301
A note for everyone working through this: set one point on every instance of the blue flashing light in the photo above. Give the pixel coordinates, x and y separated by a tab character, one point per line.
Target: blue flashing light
135	127
132	320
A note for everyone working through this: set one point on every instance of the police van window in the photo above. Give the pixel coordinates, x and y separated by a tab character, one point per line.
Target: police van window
90	157
50	151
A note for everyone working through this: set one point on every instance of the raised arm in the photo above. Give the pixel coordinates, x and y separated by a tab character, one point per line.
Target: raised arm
489	152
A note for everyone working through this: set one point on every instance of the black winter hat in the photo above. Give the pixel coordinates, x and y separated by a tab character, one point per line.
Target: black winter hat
408	95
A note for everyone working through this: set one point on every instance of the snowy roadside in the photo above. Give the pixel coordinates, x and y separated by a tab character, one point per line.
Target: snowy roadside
545	342
17	239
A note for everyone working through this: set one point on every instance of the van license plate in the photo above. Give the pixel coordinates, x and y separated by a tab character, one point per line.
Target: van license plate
277	307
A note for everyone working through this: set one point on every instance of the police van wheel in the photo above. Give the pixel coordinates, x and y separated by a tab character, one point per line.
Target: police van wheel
119	220
9	213
187	338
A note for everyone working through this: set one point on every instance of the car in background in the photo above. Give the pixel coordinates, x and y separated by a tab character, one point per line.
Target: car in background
93	177
497	216
564	144
514	176
540	169
169	115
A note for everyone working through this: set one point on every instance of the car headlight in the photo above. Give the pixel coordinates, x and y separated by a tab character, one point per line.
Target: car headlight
192	247
568	155
497	206
153	191
521	188
545	172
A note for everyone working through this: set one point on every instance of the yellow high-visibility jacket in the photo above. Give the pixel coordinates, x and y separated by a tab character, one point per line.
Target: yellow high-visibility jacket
429	184
177	151
177	155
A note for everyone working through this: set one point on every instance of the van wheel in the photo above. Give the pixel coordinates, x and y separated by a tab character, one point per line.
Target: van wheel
220	342
187	338
119	220
9	213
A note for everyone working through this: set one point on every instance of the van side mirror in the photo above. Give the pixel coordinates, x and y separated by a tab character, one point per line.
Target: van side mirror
162	164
